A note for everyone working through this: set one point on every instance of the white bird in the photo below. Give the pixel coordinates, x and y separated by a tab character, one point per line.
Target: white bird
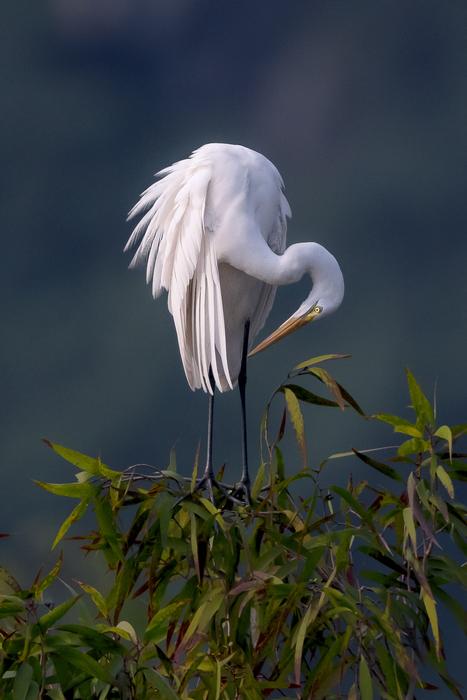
213	234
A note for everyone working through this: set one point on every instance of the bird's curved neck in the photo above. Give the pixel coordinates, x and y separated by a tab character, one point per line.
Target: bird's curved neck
297	260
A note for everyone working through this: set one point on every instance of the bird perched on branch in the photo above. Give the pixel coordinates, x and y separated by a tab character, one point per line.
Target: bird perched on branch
213	233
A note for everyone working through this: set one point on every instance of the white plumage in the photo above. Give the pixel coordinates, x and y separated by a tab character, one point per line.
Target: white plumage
202	219
212	233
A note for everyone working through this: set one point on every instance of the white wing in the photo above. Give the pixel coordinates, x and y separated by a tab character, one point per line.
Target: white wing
180	257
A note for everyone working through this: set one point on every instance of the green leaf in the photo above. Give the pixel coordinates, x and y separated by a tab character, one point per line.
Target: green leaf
205	612
213	510
96	597
127	631
53	616
393	420
430	607
49	579
123	585
217	692
10	605
91	465
444	432
259	480
172	465
330	382
320	358
412	447
108	529
350	400
77	513
379	466
55	694
300	640
82	661
445	479
73	490
303	394
22	682
98	639
353	503
364	680
400	425
194	474
157	629
410	530
33	691
408	430
194	546
296	417
421	405
165	692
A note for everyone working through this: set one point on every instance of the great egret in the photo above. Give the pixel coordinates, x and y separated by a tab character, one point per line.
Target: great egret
213	234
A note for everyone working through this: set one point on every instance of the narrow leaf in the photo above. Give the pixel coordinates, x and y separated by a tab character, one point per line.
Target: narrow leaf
10	605
49	579
444	432
22	682
350	400
165	692
53	616
379	466
194	545
96	597
204	613
430	607
393	420
330	382
364	680
157	629
300	640
77	513
73	490
409	525
126	630
296	417
303	394
408	430
445	479
82	661
420	404
91	465
320	358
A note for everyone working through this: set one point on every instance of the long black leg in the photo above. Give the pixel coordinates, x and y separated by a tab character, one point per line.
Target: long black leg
208	476
245	479
208	479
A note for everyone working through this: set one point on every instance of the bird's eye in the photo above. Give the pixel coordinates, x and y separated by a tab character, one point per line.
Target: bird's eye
317	309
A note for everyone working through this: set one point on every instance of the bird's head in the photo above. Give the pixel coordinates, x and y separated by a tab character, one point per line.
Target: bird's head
325	297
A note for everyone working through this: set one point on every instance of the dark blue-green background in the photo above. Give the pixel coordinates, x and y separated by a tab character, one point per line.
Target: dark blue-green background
363	108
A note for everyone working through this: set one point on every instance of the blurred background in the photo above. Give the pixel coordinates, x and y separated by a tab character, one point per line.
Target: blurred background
363	108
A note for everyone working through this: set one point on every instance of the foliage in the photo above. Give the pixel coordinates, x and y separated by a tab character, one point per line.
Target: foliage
324	594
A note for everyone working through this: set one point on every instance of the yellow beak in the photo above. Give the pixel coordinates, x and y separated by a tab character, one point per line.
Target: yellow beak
289	326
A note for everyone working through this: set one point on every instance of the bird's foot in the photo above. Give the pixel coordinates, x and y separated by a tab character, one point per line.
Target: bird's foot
241	492
220	493
213	487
